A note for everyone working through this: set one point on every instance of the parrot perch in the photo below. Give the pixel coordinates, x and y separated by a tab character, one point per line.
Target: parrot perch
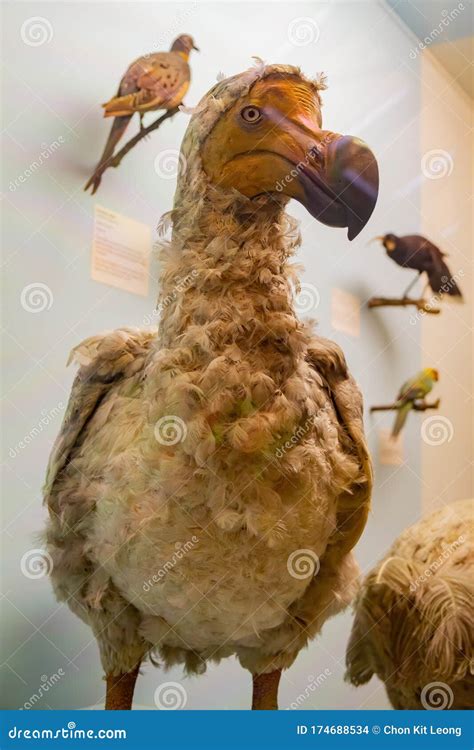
415	389
157	81
170	440
417	252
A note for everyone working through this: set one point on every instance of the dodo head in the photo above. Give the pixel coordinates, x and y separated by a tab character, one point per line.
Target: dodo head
267	138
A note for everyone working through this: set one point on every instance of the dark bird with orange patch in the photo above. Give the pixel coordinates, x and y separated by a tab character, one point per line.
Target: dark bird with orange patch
417	252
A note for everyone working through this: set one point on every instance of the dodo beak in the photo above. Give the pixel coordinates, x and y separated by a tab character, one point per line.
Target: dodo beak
341	185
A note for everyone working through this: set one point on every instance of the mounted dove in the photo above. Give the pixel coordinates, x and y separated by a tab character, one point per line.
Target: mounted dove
157	81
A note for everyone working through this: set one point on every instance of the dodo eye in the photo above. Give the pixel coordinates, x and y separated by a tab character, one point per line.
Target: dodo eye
251	114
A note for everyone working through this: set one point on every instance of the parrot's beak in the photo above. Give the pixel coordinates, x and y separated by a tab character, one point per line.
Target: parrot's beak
340	182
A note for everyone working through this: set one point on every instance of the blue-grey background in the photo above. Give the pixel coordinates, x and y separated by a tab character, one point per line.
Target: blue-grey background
54	90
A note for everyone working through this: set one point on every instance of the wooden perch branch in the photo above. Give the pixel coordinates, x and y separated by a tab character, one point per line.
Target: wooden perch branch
419	405
420	304
116	159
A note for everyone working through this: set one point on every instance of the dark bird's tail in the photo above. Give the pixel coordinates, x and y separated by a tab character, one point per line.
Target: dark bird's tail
117	130
441	279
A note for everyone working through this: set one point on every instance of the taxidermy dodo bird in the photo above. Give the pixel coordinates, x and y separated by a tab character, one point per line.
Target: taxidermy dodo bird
170	441
155	81
414	614
415	251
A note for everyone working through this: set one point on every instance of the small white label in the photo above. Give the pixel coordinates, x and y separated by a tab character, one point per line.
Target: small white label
390	449
121	250
345	312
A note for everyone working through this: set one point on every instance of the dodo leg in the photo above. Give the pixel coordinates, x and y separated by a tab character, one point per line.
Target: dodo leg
120	689
116	627
265	691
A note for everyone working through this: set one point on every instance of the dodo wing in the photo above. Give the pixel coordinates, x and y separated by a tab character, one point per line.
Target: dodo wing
104	361
353	506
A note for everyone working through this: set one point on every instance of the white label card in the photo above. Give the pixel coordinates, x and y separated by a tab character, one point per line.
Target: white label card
390	449
345	312
121	249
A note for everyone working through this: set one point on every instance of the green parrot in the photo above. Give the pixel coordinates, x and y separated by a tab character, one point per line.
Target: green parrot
413	390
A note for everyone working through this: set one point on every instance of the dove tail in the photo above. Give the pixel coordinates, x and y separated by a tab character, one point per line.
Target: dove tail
117	130
401	418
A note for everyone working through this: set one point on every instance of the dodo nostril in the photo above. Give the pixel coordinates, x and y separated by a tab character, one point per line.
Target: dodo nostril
315	154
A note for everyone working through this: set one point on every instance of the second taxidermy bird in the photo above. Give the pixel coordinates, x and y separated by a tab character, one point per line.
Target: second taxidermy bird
155	81
414	614
417	252
415	389
179	525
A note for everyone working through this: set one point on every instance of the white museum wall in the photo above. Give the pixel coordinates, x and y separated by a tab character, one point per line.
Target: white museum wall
446	217
54	90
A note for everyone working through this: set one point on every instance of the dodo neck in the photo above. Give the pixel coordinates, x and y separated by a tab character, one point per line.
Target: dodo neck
225	278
